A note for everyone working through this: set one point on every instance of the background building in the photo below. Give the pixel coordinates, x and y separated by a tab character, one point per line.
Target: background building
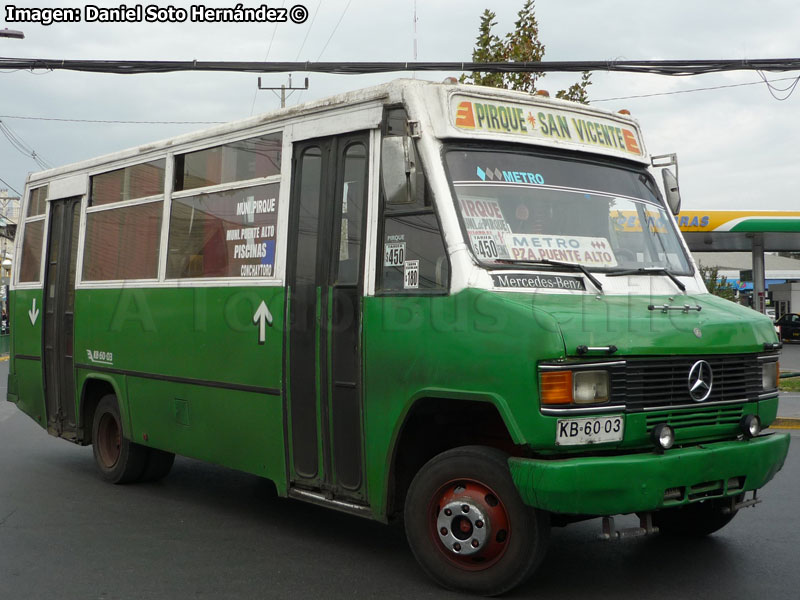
737	267
9	217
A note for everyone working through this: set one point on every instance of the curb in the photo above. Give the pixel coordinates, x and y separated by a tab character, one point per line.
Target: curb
786	423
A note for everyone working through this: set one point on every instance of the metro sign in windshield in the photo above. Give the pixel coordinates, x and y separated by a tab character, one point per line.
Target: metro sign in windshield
485	116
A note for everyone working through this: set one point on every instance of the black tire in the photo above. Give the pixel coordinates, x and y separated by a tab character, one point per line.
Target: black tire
118	459
511	537
158	465
694	520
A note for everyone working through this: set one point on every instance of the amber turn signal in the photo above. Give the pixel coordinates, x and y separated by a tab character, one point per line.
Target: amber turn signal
556	387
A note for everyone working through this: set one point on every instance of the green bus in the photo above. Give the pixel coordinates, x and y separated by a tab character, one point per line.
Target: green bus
466	308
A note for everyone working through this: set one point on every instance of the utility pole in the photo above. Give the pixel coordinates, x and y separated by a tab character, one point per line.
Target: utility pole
414	75
283	90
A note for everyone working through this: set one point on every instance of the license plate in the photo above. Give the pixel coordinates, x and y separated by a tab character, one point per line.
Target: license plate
594	430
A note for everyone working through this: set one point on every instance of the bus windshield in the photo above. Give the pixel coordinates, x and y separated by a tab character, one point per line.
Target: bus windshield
523	206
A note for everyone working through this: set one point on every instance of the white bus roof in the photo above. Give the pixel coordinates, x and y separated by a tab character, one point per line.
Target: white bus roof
449	111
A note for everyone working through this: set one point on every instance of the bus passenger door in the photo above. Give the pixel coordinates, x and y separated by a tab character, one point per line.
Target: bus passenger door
325	286
59	300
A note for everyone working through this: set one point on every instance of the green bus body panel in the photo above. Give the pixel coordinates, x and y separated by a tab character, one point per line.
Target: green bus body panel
475	344
26	336
30	398
724	327
193	379
199	333
229	427
191	373
768	411
637	482
25	375
486	346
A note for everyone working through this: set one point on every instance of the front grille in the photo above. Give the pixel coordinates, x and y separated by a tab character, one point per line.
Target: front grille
645	383
710	416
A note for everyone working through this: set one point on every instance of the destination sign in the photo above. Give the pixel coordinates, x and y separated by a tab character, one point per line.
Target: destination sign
528	120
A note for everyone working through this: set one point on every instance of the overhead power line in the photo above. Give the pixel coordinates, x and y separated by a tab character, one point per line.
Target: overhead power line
774	91
330	37
706	89
135	122
266	56
308	31
656	67
21	146
335	27
8	185
115	121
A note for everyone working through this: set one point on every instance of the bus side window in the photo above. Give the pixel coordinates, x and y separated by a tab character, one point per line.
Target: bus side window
412	254
33	236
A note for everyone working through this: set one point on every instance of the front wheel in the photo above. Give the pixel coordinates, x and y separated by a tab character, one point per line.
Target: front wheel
467	525
694	520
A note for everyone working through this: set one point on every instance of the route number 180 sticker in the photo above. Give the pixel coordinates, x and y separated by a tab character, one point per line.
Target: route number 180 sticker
411	275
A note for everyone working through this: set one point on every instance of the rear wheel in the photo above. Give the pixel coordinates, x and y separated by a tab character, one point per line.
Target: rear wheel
694	520
467	525
158	465
118	460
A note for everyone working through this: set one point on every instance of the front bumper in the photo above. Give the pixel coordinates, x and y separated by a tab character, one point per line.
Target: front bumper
627	483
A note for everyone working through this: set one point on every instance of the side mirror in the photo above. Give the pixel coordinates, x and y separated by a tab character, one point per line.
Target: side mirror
398	170
672	190
670	179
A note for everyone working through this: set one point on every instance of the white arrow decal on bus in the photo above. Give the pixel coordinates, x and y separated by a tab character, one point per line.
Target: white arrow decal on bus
262	318
33	313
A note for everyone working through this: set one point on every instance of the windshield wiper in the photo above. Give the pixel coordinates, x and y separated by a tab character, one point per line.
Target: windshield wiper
650	271
558	263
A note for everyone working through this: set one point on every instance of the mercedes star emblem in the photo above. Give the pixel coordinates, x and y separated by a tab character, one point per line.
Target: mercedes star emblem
701	379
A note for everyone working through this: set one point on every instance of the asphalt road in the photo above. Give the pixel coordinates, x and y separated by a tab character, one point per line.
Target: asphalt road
208	532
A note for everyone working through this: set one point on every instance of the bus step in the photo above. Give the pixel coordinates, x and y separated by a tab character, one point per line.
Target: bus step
610	532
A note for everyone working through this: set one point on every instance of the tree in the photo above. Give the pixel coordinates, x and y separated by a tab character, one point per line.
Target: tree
717	285
521	45
488	48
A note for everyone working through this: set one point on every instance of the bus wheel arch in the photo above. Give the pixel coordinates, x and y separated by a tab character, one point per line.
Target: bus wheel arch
118	459
434	425
94	389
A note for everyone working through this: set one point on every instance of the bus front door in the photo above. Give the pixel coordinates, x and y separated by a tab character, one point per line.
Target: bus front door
59	300
325	281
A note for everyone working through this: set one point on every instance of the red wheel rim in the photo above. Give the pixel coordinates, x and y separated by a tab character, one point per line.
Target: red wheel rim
108	440
469	524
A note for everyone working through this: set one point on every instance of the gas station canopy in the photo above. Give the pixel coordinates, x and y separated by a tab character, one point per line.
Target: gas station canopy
739	230
757	231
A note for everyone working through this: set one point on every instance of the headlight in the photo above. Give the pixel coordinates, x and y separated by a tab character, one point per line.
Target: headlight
590	387
574	387
769	375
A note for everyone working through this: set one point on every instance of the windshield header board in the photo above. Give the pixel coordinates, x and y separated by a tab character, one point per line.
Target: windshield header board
592	132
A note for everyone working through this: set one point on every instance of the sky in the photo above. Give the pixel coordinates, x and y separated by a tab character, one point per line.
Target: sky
737	146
